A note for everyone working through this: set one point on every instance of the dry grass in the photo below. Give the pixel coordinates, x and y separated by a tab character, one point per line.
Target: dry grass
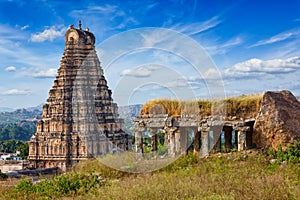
246	106
8	184
230	176
123	163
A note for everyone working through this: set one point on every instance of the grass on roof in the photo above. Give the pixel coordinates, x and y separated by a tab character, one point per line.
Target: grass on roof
241	106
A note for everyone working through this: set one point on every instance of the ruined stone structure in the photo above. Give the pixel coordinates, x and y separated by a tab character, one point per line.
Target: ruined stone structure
80	119
179	132
277	122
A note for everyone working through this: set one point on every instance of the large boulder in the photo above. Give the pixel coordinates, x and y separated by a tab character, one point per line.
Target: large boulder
278	121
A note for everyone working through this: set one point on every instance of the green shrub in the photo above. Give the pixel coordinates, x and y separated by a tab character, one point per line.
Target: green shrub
63	185
291	154
3	176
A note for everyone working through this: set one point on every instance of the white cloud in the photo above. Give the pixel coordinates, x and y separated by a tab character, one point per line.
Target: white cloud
211	74
24	27
6	33
104	10
198	27
179	83
155	37
48	34
38	73
258	67
294	33
10	69
141	72
105	18
49	73
223	48
16	92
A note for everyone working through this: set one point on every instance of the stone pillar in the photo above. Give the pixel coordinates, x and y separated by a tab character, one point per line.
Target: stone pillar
171	148
209	139
177	141
154	141
217	138
128	142
166	139
139	144
197	143
241	140
228	137
184	141
205	143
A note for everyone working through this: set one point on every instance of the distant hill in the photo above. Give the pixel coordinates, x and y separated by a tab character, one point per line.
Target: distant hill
130	111
19	124
6	109
31	114
38	107
20	116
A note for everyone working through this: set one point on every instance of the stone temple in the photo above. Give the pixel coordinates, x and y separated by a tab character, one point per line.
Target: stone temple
80	119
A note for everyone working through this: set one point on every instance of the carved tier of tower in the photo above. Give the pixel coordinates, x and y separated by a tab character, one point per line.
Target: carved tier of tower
80	119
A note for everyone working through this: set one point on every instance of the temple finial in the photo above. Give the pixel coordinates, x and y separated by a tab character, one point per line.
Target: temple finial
79	25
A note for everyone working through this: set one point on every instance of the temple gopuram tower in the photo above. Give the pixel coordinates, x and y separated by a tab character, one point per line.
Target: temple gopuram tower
80	119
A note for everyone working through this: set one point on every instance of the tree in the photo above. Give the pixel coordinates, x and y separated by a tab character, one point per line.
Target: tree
11	146
16	132
24	150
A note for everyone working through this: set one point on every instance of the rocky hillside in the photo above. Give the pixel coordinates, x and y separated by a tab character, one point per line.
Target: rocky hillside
19	124
130	111
20	116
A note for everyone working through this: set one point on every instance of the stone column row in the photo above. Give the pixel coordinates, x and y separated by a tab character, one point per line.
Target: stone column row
205	139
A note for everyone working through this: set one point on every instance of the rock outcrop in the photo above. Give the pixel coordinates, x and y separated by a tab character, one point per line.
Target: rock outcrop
278	121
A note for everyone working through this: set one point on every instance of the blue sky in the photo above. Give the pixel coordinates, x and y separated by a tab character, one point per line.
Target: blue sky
254	45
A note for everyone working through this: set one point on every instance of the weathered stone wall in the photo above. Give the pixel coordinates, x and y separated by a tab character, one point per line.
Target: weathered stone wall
12	165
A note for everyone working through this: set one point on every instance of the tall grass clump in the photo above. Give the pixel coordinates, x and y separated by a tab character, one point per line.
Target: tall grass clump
241	106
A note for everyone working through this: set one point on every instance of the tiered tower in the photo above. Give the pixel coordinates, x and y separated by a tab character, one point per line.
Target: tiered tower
80	119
